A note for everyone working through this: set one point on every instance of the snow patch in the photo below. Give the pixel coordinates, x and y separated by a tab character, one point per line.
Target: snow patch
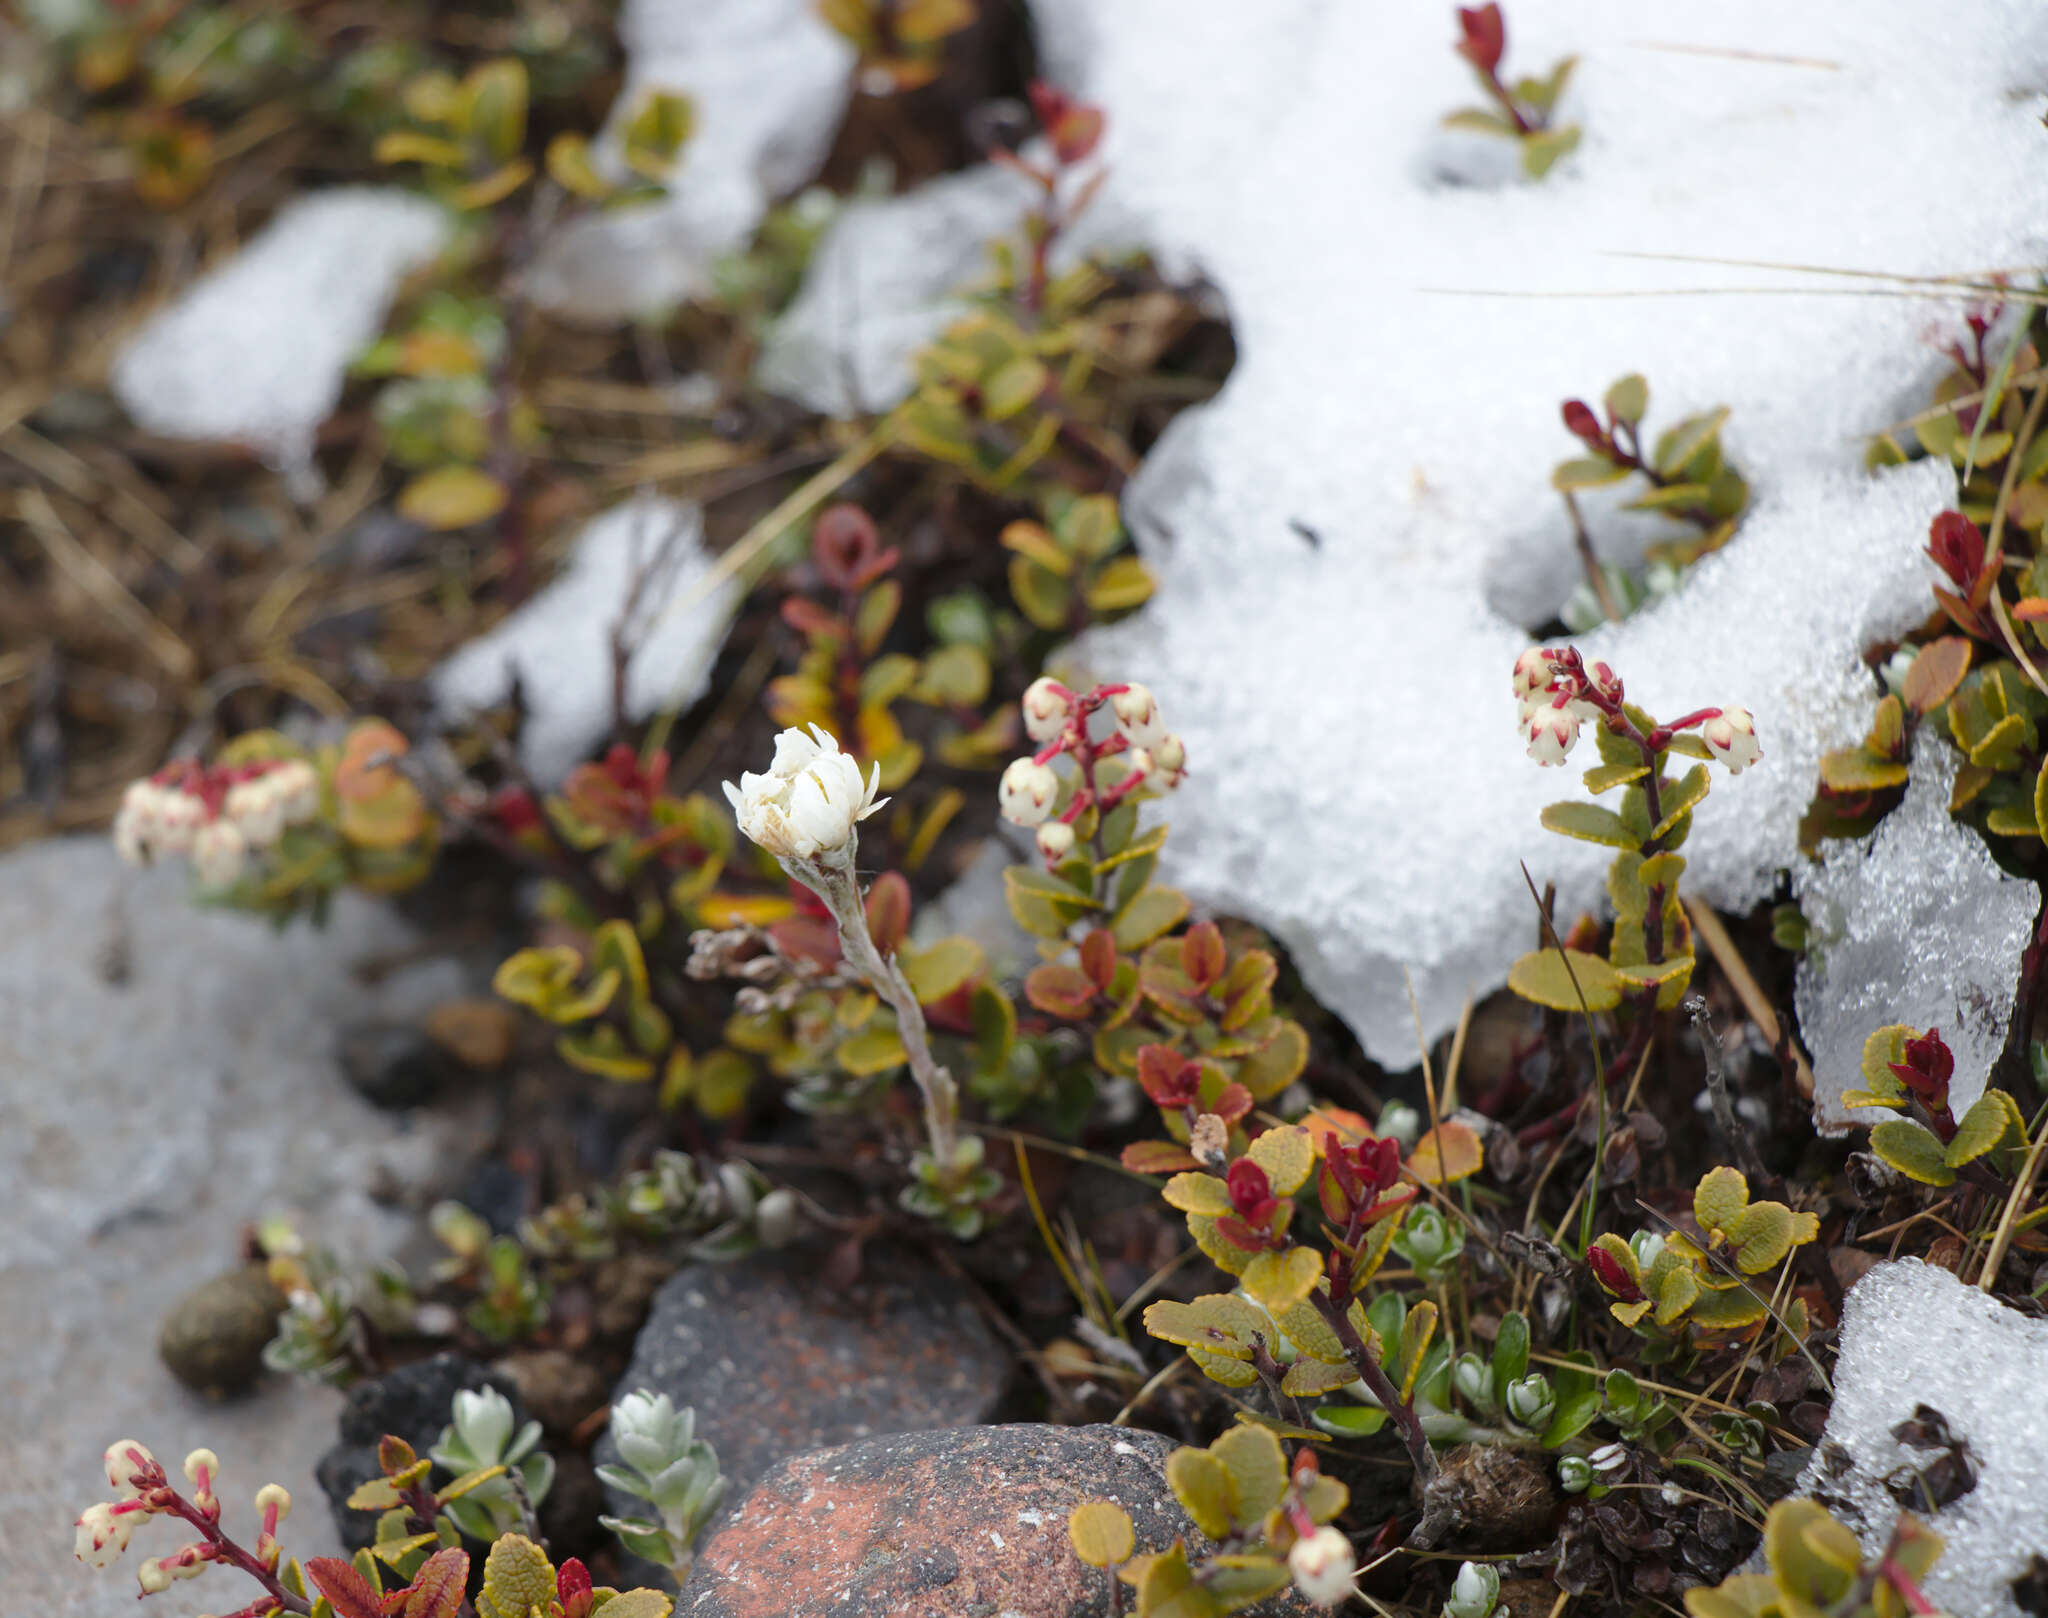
1913	1334
256	351
1916	925
559	644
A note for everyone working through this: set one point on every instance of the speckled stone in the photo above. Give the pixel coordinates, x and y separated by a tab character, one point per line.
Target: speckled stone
776	1361
940	1525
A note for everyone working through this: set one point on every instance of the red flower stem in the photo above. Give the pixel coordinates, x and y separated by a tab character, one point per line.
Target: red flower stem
1376	1380
226	1550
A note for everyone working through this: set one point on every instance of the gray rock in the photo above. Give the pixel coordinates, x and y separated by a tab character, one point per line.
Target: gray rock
777	1362
213	1338
143	1124
393	1065
941	1524
413	1403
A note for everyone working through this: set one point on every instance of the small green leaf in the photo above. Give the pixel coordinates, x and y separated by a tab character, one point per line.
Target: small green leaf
1201	1483
1912	1150
945	967
1542	150
1547	978
1279	1281
1589	823
876	1048
1606	777
1678	445
451	497
1150	912
1123	583
1286	1155
1626	401
1585	473
1257	1471
1100	1533
1680	797
1993	1120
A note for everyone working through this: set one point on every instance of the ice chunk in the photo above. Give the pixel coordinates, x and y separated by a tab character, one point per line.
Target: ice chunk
1356	784
648	552
769	83
256	351
1916	925
1913	1334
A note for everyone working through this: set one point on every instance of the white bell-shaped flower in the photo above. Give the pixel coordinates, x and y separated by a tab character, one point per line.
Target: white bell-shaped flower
1027	792
1731	736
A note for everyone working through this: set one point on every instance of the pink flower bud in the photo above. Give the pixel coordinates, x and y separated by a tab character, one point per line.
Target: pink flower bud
1055	841
178	817
102	1536
1323	1565
1169	764
124	1458
1731	735
1047	707
1551	733
1137	716
1533	672
257	809
220	853
1027	792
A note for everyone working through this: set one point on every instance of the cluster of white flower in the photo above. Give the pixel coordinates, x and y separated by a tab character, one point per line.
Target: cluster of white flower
1556	693
218	817
1056	718
807	805
141	1491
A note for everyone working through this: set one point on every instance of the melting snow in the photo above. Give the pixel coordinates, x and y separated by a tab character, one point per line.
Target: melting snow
256	351
1913	1334
1356	783
560	643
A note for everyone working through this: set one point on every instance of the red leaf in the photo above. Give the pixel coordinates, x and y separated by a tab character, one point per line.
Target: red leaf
1202	956
1580	422
1486	36
572	1579
1060	991
1169	1078
1232	1102
342	1585
1098	958
1157	1157
437	1589
888	910
843	542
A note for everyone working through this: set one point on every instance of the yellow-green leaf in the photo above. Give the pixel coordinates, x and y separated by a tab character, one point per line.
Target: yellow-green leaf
1152	911
518	1577
569	166
1589	823
1912	1150
1197	1193
451	497
1993	1120
1279	1281
1559	979
1201	1483
1276	1064
1719	1198
1286	1154
938	971
875	1049
1122	584
1100	1533
1257	1470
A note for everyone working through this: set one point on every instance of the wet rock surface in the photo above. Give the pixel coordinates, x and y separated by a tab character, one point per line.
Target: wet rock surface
942	1524
778	1362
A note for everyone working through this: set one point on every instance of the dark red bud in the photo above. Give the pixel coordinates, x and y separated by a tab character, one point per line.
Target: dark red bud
1250	1190
843	541
1485	38
1956	547
1608	1271
1580	422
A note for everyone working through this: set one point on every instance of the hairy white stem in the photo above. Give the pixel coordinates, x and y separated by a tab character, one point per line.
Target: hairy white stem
835	885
